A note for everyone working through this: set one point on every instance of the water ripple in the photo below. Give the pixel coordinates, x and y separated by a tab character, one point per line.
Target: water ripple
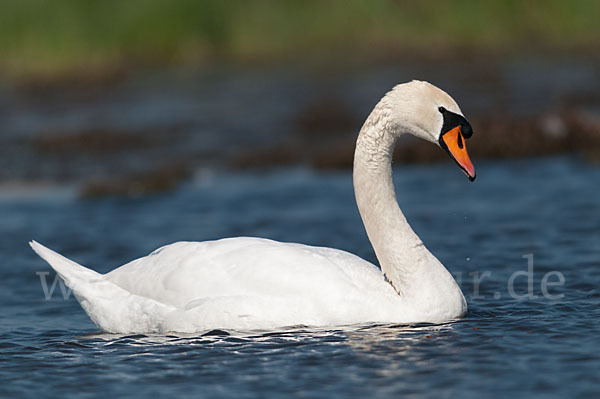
505	347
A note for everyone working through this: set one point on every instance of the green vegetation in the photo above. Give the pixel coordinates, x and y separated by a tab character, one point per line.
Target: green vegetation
46	36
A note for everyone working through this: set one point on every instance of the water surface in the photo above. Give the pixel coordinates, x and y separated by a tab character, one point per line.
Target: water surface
506	346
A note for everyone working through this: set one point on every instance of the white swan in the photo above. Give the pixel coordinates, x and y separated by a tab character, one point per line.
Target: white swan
252	283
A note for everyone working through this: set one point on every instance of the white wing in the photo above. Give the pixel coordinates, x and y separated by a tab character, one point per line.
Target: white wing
237	283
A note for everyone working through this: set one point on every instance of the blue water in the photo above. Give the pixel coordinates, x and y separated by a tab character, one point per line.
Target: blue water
507	346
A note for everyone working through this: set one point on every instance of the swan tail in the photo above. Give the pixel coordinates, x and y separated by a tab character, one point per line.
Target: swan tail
110	307
72	273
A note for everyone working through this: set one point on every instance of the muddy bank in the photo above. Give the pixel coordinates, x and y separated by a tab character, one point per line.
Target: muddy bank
496	137
148	132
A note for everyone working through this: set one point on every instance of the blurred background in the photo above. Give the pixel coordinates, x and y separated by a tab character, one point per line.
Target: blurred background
128	125
127	98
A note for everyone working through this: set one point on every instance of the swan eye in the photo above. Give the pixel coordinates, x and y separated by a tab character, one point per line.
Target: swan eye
442	109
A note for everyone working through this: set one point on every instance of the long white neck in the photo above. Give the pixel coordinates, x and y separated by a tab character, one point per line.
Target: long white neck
399	250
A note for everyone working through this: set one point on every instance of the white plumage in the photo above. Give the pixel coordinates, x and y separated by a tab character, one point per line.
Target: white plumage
238	283
253	283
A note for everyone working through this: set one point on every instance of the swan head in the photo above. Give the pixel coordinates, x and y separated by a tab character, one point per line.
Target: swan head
428	112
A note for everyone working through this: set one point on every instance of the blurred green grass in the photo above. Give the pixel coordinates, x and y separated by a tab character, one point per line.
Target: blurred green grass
44	36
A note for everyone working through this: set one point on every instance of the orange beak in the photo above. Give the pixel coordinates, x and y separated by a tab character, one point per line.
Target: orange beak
454	142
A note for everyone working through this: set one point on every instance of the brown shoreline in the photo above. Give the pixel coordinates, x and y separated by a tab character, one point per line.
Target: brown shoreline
317	115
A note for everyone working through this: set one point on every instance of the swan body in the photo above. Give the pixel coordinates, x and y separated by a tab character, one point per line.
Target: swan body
252	283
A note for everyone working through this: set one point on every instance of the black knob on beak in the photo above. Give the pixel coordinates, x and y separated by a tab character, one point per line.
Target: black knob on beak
452	120
466	129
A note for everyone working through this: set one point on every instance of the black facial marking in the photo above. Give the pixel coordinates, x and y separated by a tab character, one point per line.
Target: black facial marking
452	120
